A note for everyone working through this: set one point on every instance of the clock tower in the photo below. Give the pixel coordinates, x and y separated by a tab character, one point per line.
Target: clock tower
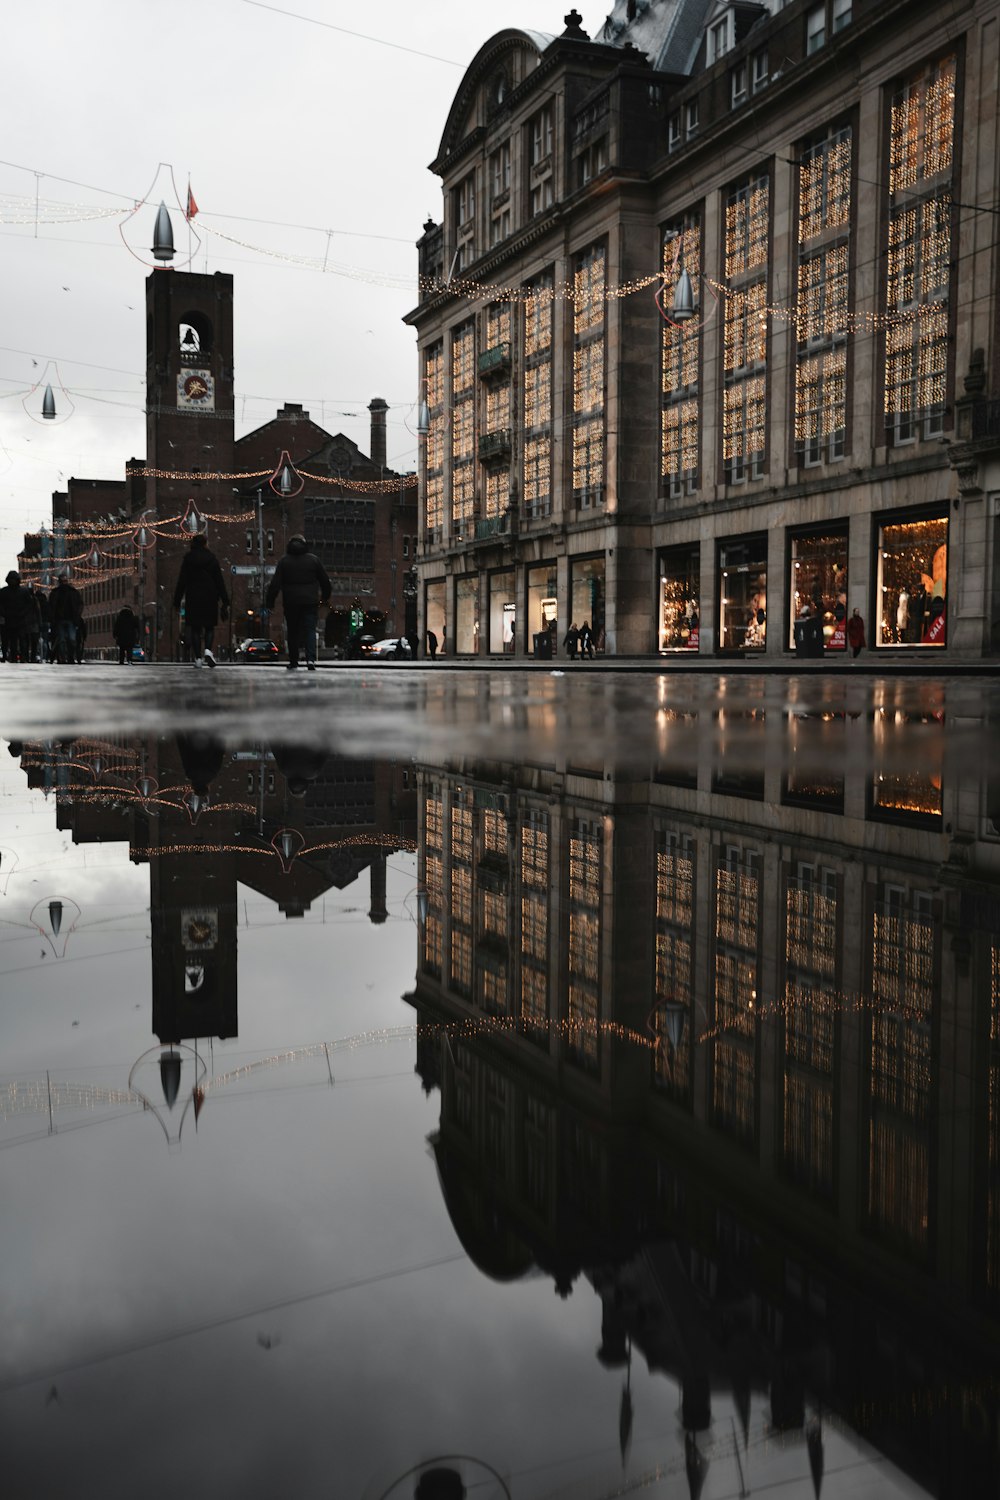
189	374
189	427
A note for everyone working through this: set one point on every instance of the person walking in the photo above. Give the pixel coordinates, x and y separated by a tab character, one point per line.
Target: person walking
571	641
301	580
126	634
35	622
16	609
586	640
432	644
201	586
856	633
65	613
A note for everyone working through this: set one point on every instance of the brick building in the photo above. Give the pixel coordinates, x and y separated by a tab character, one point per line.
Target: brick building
122	540
707	333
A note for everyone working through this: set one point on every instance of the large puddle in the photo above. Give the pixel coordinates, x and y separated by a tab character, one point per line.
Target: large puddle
534	1089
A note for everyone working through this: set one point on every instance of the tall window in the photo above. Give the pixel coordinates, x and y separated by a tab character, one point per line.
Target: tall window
434	392
680	431
737	915
900	1063
499	178
535	924
540	175
922	128
585	883
992	1247
810	1002
536	393
674	943
744	395
465	222
463	403
588	377
821	309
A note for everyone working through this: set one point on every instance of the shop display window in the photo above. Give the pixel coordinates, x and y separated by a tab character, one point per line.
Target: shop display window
434	611
908	787
587	602
912	582
680	611
502	613
467	615
818	584
743	595
816	756
543	609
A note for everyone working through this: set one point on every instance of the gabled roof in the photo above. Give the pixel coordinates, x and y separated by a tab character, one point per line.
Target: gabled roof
669	32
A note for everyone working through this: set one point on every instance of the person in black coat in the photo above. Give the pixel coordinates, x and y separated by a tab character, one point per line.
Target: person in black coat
65	613
301	580
16	610
126	634
200	584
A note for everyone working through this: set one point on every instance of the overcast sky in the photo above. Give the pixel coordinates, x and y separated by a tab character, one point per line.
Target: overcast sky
274	118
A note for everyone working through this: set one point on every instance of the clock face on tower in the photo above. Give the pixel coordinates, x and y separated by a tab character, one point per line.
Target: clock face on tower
196	390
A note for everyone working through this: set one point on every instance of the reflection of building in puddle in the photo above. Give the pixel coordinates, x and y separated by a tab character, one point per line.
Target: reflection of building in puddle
287	822
737	1062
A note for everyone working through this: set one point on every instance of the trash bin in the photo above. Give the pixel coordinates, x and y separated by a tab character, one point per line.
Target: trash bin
543	645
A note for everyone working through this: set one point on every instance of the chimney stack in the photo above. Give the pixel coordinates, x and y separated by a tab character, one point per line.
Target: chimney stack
378	409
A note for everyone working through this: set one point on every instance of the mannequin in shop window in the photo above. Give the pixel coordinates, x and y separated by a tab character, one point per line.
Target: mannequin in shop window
902	615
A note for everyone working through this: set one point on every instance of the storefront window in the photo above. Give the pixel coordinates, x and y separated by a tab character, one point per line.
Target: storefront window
743	595
502	620
819	583
467	615
434	616
587	602
680	611
912	582
542	607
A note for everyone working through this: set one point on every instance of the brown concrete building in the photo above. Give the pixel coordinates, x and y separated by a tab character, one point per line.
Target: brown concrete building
122	541
707	333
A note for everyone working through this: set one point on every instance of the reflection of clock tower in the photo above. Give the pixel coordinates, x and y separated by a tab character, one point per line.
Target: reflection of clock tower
194	943
189	415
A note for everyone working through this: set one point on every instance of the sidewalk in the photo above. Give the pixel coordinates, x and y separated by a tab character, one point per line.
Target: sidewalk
869	662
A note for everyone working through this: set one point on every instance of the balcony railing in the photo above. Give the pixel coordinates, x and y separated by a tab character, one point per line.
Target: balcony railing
490	527
494	444
493	360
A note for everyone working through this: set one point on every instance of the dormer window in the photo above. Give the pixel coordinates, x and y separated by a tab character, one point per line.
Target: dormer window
720	38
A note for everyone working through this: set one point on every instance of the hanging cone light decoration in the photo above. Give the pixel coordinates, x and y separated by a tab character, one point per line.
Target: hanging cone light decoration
170	1076
193	523
287	843
56	916
49	405
423	419
683	305
163	235
286	481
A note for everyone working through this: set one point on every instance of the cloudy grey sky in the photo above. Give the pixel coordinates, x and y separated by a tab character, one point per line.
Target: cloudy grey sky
274	118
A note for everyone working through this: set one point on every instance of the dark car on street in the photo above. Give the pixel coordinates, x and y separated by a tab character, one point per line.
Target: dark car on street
258	651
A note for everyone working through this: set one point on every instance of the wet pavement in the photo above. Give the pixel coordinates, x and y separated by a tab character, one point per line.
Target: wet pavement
584	1085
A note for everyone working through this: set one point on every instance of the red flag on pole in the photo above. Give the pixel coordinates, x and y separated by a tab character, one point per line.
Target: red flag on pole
192	207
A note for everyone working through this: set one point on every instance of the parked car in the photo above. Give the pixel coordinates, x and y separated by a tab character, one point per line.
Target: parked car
395	648
258	651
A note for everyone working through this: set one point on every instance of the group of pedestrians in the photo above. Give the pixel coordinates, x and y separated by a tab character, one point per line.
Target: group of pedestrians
299	579
40	627
579	641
